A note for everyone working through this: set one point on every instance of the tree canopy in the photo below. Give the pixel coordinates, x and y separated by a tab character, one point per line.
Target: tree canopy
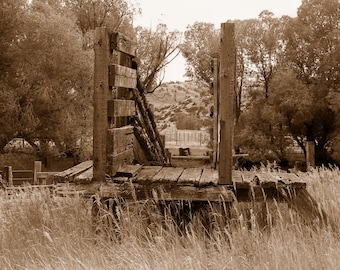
287	79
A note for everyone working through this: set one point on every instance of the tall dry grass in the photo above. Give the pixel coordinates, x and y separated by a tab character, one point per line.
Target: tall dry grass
39	231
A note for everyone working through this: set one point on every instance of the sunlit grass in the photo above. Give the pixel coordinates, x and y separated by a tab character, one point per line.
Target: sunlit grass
40	231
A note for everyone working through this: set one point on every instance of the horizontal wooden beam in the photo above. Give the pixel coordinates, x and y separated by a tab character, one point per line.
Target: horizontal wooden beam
166	192
121	108
121	43
120	76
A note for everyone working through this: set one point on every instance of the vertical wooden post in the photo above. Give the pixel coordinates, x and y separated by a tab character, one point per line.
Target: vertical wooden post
310	155
216	73
7	175
227	85
101	96
37	168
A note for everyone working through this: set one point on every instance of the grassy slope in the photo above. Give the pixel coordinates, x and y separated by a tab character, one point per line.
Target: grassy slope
43	232
174	99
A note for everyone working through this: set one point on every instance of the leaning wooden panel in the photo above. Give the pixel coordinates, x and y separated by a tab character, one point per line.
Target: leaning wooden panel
209	177
168	174
121	43
71	173
120	76
121	108
190	176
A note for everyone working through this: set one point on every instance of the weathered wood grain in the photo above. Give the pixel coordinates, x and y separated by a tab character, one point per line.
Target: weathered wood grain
128	170
120	76
146	174
71	173
121	108
292	179
190	176
168	174
267	179
209	177
119	140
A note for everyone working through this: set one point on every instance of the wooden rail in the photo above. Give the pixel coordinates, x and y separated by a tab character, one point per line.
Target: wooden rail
12	177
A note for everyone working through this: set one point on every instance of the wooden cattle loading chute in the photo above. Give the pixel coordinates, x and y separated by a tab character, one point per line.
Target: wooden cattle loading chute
129	160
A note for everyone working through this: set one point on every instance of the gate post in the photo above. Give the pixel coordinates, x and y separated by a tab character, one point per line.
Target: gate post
227	88
7	175
101	96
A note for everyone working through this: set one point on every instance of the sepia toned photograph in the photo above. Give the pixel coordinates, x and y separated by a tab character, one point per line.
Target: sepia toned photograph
153	135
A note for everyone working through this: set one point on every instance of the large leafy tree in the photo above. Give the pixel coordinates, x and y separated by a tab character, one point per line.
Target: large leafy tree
45	95
116	15
155	49
200	46
313	53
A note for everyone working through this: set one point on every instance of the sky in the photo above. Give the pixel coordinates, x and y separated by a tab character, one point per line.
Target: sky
178	14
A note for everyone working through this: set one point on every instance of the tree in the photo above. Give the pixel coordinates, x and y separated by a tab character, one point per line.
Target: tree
155	49
47	91
116	15
313	53
201	45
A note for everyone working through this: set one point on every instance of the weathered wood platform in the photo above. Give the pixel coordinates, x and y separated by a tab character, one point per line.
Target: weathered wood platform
176	183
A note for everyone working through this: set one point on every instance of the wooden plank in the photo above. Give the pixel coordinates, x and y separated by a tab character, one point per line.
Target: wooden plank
120	76
119	140
43	175
128	170
7	174
248	176
121	43
209	177
247	179
292	179
266	179
158	192
121	108
146	174
216	86
86	176
191	193
114	161
168	174
37	169
190	176
191	157
71	173
101	95
226	114
239	181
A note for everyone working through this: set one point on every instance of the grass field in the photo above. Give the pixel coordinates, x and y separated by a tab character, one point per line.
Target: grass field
39	231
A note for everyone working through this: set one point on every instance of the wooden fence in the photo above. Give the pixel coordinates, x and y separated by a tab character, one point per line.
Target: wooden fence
12	177
187	138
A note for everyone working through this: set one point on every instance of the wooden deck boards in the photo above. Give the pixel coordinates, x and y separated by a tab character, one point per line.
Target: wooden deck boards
175	183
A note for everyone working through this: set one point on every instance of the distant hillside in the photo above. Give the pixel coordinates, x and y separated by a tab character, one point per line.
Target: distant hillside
181	105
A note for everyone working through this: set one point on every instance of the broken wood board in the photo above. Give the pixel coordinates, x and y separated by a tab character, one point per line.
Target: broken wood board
71	173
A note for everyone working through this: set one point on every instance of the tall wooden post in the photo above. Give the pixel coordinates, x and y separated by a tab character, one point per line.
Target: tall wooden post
37	169
227	86
310	155
216	73
7	174
101	96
